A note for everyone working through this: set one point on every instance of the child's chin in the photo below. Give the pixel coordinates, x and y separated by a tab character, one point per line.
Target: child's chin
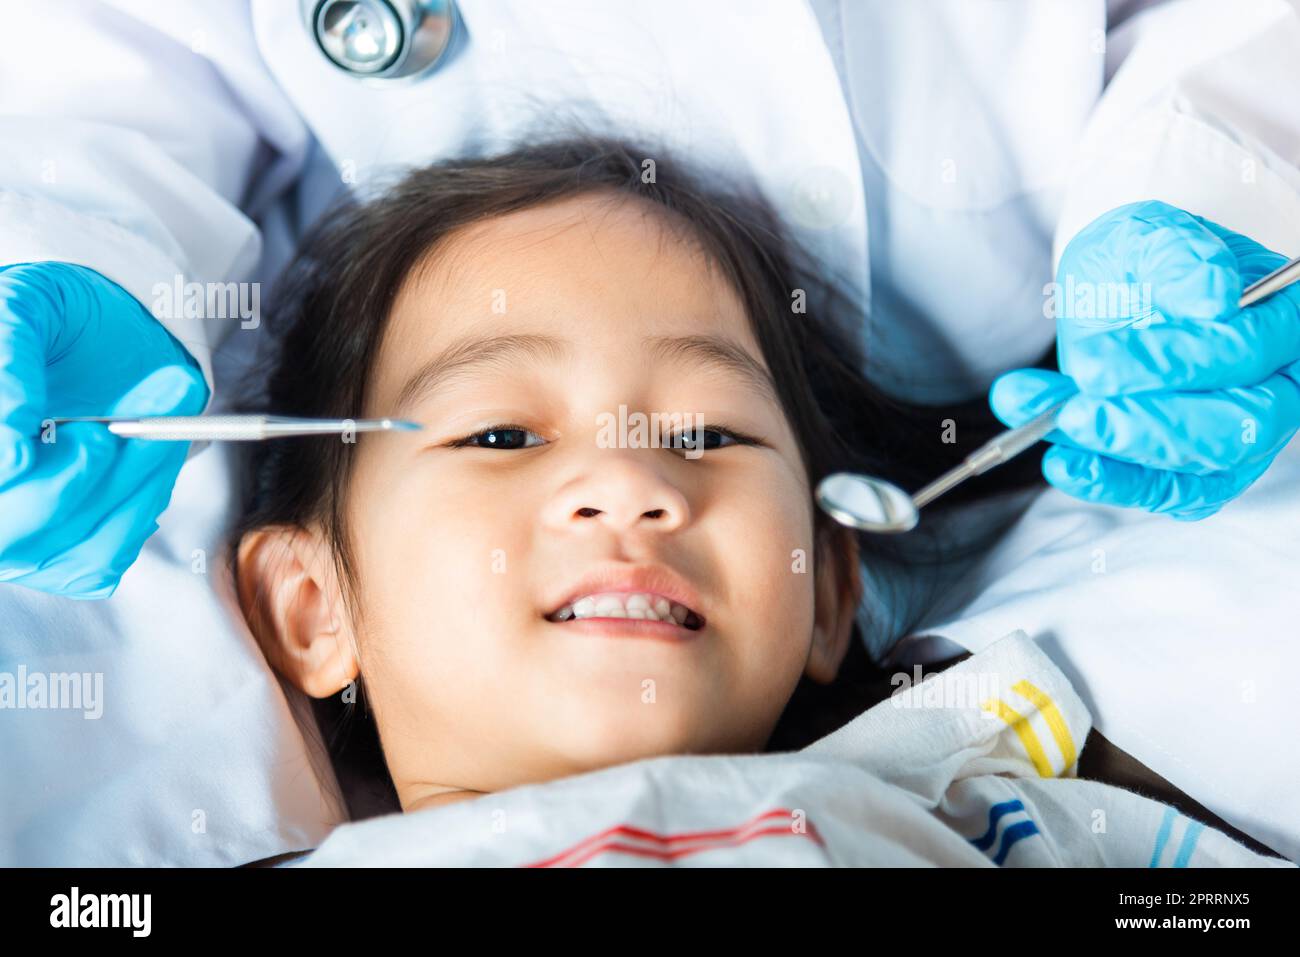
623	738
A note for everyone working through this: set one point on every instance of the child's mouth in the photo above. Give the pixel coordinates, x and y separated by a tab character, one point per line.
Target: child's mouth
642	606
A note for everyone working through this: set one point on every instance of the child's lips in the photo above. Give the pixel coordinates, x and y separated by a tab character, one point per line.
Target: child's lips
630	628
621	590
634	605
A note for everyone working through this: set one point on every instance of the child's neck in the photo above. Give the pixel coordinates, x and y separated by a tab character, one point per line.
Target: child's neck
437	798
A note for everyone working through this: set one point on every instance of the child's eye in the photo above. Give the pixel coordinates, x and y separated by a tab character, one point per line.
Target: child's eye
514	437
509	437
680	440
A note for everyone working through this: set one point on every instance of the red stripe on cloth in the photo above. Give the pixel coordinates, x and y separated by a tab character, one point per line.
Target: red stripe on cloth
671	846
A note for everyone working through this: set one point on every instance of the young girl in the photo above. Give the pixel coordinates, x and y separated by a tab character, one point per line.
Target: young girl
528	589
513	305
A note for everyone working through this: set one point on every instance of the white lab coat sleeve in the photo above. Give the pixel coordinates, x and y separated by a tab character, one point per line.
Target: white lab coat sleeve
1199	113
142	140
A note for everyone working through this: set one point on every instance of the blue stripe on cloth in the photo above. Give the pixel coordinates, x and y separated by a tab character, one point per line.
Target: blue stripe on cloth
1190	837
996	813
1166	825
1012	834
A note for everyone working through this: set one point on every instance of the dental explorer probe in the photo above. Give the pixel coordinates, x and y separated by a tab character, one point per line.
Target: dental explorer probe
235	428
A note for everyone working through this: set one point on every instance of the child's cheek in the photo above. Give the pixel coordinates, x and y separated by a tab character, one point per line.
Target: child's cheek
768	538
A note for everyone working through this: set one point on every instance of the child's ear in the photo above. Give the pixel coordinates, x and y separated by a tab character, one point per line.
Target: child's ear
288	591
838	587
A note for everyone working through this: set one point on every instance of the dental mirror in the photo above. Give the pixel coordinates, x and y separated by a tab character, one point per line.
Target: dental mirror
869	504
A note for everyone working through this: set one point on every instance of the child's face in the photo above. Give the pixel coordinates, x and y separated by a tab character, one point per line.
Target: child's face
462	552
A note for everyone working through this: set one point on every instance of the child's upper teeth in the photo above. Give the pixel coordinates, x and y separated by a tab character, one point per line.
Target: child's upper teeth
641	605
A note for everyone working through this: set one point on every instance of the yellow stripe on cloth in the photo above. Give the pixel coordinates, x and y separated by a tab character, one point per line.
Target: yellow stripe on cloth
1020	725
1052	715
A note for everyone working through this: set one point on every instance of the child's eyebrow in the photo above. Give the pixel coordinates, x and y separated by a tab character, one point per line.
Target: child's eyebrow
477	355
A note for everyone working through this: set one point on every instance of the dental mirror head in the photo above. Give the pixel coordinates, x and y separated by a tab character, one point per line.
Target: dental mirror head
869	504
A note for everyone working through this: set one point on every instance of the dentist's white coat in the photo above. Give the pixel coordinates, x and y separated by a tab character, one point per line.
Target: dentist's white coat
929	152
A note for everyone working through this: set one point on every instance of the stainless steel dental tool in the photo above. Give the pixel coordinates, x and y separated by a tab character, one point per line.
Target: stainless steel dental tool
874	505
235	428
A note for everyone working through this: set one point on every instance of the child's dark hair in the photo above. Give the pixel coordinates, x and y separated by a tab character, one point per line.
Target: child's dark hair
331	306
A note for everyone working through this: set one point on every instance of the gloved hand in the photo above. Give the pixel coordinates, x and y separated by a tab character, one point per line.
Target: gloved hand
1182	404
75	511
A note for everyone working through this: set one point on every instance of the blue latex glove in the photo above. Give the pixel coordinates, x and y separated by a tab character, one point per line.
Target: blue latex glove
75	511
1180	405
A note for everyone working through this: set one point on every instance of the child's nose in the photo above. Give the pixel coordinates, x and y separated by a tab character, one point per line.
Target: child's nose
621	493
